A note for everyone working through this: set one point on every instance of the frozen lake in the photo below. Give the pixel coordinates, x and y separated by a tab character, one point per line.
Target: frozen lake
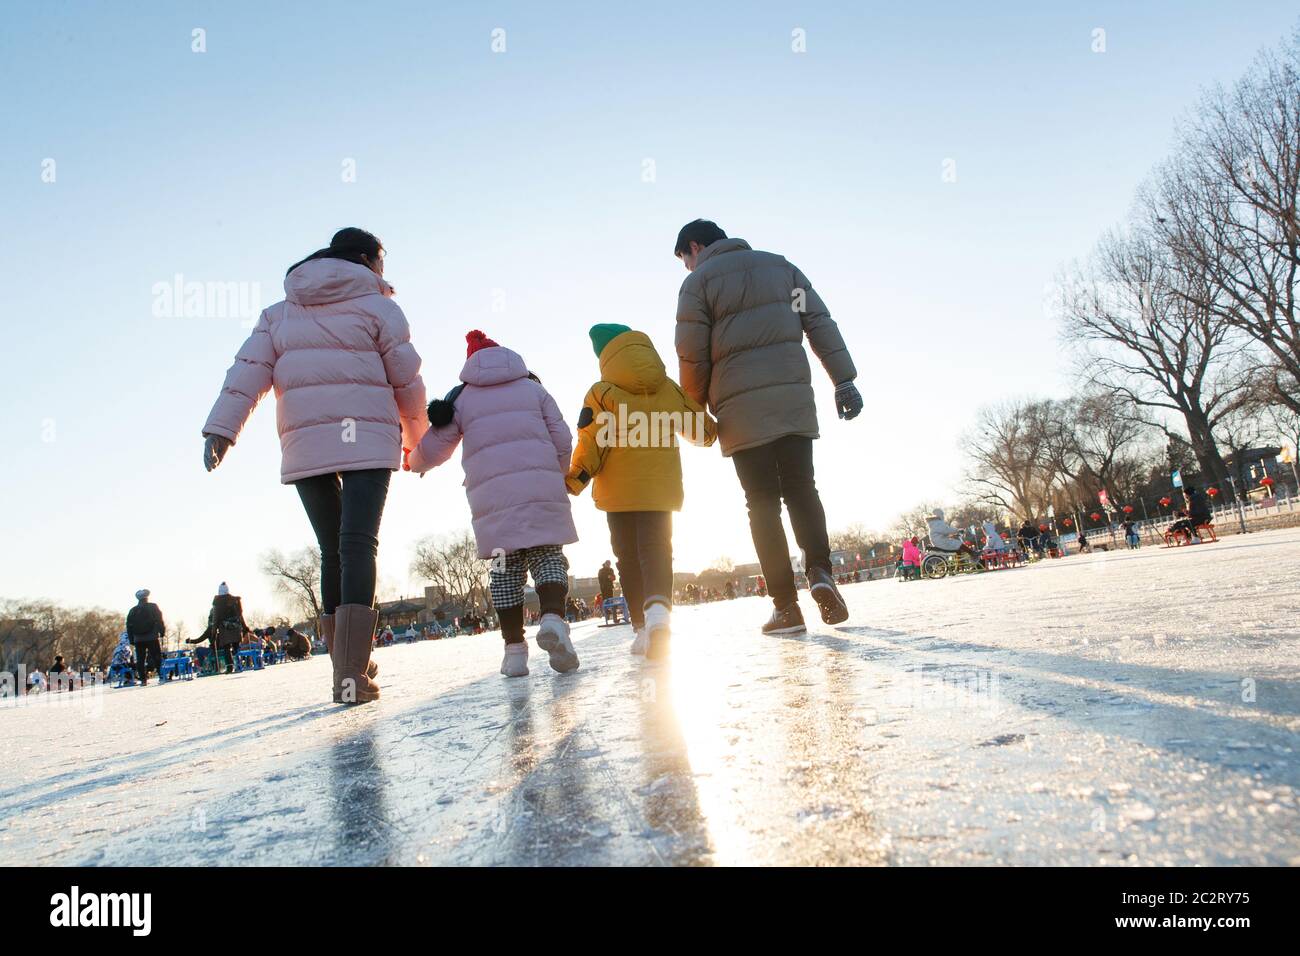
1115	709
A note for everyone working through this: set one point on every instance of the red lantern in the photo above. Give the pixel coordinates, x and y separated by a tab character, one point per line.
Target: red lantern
1067	521
1095	516
1042	527
1128	509
1166	501
1211	491
1267	482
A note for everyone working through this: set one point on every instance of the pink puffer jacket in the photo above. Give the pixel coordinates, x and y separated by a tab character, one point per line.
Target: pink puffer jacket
347	379
516	454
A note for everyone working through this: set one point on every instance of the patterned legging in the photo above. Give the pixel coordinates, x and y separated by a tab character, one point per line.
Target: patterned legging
549	568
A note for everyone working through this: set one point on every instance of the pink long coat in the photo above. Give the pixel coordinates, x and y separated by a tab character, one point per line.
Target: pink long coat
347	382
516	454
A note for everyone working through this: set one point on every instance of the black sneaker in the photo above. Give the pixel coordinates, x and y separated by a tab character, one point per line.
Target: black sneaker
786	620
827	596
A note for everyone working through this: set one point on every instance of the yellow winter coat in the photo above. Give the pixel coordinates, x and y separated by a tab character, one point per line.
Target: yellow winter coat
627	432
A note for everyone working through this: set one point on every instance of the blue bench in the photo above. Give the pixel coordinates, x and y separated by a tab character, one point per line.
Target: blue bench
181	666
248	657
614	607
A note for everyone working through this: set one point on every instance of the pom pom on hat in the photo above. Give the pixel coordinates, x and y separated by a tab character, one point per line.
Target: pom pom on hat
477	340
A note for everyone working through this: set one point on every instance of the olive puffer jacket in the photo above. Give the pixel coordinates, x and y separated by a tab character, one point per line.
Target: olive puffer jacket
347	380
628	428
741	319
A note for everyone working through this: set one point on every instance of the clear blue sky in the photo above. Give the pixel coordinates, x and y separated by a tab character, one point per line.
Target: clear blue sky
522	172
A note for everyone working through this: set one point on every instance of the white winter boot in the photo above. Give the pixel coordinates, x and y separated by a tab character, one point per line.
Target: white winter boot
658	631
553	637
639	643
515	661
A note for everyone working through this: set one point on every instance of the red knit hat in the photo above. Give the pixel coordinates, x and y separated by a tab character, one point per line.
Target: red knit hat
477	340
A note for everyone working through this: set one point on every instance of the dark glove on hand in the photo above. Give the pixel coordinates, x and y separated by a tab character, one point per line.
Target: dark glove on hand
214	449
848	401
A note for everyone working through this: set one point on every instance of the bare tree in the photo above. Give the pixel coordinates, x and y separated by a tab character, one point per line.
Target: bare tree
1227	207
33	632
1009	452
86	638
1154	339
1096	442
853	538
451	562
296	578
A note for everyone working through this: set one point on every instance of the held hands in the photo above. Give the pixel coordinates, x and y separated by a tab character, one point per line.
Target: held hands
214	449
848	401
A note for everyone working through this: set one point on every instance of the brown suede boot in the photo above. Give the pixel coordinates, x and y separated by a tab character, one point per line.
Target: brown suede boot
327	632
354	635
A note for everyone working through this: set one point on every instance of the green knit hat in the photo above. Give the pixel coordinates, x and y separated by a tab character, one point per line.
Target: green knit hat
603	334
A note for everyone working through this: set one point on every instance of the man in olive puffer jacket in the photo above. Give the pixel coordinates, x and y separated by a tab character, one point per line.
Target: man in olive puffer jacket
741	320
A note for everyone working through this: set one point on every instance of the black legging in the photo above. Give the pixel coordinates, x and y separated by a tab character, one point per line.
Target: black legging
345	510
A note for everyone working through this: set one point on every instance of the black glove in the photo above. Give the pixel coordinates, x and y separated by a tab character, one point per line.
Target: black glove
214	449
848	401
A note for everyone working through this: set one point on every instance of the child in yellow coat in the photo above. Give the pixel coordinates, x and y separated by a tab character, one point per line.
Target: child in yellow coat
627	443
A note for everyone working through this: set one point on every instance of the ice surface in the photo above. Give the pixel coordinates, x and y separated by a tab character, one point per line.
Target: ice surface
1120	708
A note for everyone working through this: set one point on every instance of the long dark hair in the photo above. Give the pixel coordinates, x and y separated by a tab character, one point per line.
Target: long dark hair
351	244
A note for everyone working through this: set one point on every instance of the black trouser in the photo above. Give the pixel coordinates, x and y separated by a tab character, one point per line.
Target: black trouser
783	470
643	549
148	656
345	510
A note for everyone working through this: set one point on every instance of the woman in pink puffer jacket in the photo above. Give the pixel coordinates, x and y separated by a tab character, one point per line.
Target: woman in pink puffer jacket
516	455
349	399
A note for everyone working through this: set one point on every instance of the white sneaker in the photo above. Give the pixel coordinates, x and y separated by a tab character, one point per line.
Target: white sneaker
658	631
638	645
515	661
553	637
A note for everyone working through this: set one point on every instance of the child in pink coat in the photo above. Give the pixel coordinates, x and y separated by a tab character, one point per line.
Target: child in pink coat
911	557
515	456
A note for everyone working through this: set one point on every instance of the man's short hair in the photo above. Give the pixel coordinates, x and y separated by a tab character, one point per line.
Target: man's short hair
703	231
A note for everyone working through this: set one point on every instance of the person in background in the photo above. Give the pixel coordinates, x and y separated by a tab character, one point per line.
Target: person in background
911	557
1198	510
123	662
742	317
296	645
992	539
60	676
144	623
944	537
605	578
226	625
1027	536
1131	535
